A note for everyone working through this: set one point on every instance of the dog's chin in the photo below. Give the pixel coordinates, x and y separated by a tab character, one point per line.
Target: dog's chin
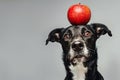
78	59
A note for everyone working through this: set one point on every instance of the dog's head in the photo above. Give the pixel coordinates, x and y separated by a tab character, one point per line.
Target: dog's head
78	41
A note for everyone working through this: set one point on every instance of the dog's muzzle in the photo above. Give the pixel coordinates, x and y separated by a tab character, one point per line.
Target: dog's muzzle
78	52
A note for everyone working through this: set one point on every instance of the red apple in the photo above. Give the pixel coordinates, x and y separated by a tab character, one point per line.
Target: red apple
79	14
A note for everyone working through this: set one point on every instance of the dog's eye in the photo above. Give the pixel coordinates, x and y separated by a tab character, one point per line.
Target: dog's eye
67	37
87	33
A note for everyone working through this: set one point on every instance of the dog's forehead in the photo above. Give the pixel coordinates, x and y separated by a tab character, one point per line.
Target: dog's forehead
76	29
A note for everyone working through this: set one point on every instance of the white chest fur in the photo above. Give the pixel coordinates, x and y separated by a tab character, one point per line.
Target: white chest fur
78	71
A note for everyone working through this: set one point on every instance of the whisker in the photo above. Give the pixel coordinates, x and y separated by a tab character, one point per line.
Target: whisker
91	50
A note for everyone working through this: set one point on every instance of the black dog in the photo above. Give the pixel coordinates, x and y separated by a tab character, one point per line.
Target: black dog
79	49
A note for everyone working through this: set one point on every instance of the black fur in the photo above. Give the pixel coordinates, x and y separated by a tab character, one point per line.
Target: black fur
88	35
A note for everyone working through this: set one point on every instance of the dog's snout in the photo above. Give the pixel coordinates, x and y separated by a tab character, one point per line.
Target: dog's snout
77	46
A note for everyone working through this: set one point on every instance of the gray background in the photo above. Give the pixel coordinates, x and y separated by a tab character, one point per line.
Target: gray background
25	24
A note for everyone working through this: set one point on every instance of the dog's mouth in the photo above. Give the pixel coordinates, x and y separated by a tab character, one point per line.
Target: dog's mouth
78	58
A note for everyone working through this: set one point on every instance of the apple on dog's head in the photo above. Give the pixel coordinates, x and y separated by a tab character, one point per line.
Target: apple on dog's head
79	14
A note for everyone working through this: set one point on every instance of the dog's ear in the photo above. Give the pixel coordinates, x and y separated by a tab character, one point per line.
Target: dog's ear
54	35
100	29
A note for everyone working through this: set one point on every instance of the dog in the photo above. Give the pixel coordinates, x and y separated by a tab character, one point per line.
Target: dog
79	49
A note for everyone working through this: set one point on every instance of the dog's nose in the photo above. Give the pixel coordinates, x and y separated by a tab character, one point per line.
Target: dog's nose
77	46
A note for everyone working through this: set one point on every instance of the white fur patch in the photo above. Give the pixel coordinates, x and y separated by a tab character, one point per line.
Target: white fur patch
71	53
78	71
85	50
